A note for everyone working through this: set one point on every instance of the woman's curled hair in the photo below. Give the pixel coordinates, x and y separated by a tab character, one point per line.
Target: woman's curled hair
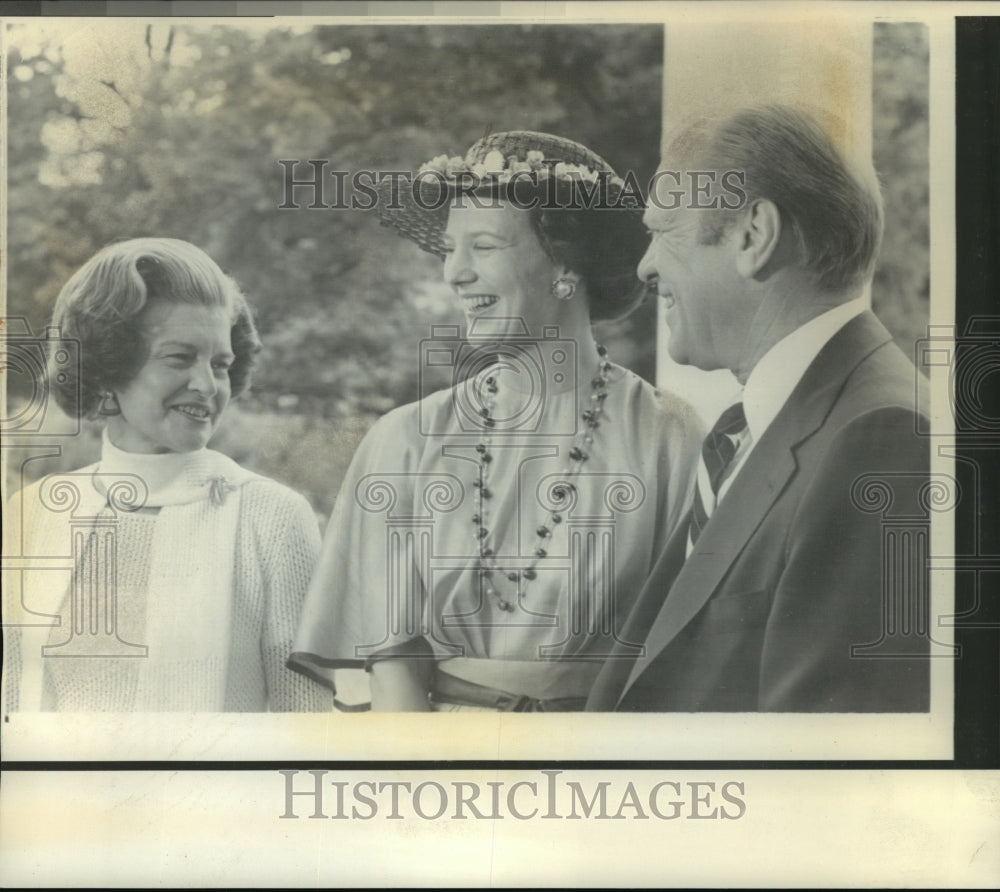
101	308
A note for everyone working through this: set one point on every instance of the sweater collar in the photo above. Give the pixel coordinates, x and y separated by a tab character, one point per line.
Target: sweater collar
170	478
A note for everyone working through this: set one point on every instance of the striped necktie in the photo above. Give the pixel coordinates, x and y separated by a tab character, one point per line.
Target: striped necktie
717	452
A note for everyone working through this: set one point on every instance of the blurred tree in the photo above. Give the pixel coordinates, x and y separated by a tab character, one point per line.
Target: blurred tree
119	129
177	130
901	139
127	129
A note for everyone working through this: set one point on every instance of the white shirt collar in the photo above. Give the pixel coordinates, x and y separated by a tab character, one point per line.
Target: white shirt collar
780	369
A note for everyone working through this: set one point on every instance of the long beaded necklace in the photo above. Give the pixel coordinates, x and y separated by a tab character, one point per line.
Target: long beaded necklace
487	567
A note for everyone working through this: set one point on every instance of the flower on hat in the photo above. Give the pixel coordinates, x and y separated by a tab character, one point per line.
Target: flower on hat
455	164
495	167
493	163
439	163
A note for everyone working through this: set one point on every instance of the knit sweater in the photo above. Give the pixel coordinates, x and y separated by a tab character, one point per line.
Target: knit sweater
276	544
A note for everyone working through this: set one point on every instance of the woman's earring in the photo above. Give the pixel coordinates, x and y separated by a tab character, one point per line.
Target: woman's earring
109	405
564	288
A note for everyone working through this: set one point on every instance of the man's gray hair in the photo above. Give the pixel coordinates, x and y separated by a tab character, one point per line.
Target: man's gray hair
833	207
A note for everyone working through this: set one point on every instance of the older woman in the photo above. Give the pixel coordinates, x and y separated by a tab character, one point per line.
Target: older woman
189	571
489	540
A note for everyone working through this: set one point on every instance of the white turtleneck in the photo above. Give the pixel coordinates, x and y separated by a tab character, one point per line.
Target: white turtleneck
210	583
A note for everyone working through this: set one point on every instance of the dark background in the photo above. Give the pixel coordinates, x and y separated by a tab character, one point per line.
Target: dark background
977	532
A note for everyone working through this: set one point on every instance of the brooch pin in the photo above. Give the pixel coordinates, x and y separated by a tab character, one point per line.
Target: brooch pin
220	488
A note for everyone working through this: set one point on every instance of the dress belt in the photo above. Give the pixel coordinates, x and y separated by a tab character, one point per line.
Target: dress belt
451	689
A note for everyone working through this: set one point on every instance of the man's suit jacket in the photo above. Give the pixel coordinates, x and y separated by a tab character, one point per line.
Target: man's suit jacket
789	572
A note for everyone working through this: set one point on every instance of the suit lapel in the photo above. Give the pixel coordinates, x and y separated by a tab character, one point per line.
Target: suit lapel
754	490
768	468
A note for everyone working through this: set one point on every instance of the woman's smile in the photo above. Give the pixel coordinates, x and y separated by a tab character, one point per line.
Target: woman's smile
194	411
476	303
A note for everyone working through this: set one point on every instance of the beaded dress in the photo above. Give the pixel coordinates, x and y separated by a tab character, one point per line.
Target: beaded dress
403	556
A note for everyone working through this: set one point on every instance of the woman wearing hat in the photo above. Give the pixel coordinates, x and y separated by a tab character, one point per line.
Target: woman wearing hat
489	540
188	571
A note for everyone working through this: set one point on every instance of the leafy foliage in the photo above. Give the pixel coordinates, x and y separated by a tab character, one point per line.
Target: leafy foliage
124	129
901	136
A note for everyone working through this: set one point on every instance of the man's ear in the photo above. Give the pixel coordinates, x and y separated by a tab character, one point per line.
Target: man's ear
759	235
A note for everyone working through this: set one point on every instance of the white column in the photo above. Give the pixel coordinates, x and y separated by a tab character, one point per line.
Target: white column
821	64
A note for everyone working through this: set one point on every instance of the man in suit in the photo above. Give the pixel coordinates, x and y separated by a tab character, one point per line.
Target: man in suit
774	595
